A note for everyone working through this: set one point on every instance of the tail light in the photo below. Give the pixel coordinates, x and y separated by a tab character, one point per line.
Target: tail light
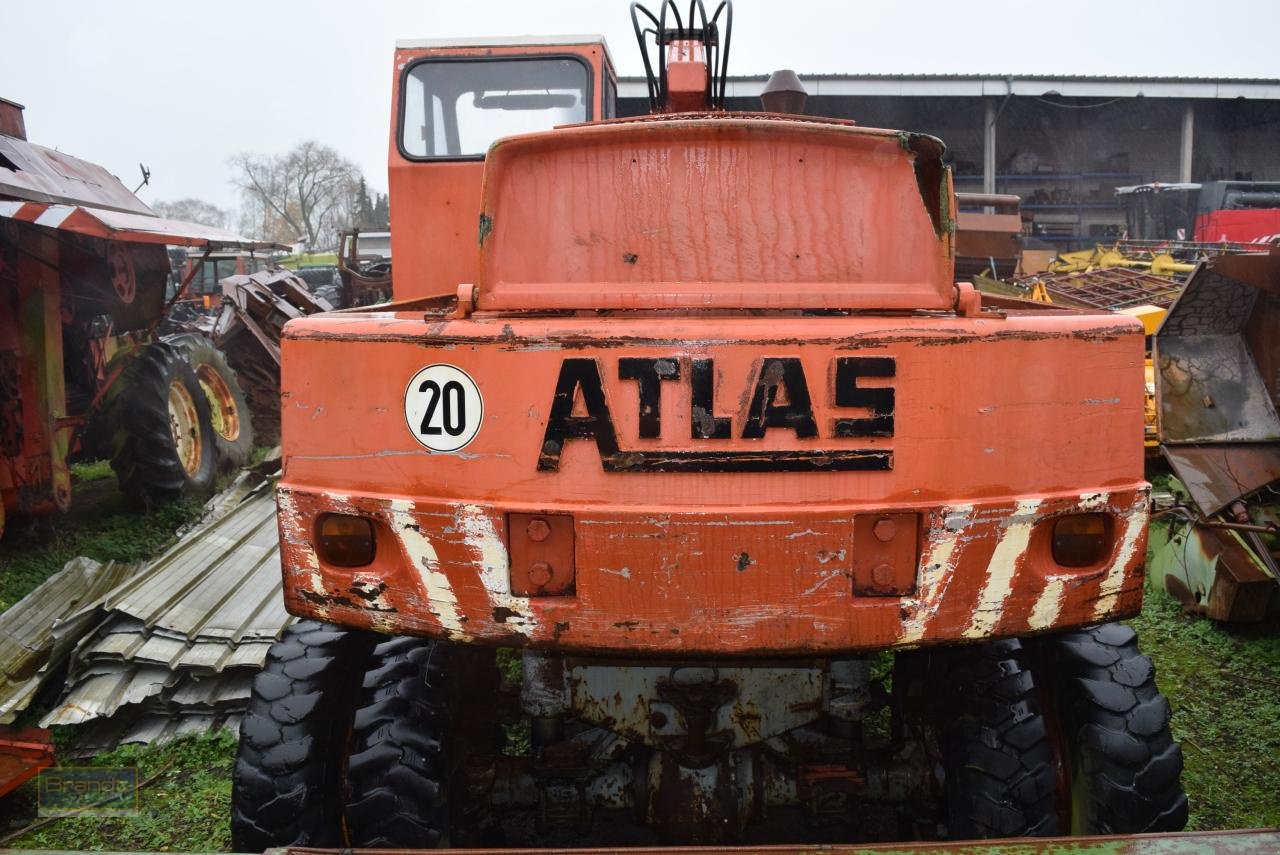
1080	540
344	540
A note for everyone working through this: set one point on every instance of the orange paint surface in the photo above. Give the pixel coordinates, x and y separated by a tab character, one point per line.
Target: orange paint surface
987	448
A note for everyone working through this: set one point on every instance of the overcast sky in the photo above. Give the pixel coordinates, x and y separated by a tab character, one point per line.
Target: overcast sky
182	86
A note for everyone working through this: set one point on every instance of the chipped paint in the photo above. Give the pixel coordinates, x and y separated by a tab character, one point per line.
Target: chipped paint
935	574
479	533
441	600
1135	527
1002	568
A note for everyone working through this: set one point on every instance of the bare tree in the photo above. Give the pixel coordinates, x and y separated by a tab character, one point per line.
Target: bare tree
306	193
194	211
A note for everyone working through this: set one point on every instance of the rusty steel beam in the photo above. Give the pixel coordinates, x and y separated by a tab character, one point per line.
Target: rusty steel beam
1239	842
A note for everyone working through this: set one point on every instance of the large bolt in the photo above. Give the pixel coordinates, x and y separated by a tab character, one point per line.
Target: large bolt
882	575
538	529
884	530
540	573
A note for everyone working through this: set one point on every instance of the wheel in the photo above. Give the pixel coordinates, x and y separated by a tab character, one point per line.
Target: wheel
161	434
232	424
397	773
1122	769
995	745
287	782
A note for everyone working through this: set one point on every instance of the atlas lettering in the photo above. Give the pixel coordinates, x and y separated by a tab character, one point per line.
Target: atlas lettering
778	398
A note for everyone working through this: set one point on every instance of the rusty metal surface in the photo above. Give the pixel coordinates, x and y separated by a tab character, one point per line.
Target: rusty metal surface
1208	385
717	544
1264	841
125	226
247	328
756	212
1216	475
43	175
1111	288
23	753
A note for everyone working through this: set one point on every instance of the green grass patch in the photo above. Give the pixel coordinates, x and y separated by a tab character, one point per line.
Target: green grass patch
185	807
114	532
94	471
1223	683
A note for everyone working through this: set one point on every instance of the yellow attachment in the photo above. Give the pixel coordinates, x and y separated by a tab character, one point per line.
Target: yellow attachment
1151	316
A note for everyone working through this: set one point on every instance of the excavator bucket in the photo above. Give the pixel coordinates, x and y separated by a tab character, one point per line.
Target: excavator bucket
1217	379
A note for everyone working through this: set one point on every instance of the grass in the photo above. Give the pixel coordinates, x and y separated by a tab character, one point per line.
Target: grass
184	807
1223	683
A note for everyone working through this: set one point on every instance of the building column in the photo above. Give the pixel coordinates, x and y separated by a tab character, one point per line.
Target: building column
1188	132
989	146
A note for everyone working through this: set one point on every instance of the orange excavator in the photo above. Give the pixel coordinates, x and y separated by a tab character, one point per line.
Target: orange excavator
778	532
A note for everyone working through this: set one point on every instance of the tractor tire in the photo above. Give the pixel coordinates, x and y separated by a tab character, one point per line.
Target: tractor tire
995	744
161	434
287	785
232	422
1122	767
398	770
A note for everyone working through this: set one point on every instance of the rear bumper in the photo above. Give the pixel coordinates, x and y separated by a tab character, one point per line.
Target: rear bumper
716	581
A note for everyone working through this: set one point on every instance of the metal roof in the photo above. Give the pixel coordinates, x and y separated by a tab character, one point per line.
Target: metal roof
39	174
117	225
996	85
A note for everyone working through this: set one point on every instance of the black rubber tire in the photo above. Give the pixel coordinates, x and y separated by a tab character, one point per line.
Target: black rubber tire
202	355
398	770
1124	768
143	453
287	784
995	745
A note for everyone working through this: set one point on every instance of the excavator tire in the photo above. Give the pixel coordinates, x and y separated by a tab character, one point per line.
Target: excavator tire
398	769
995	745
293	739
1123	767
162	444
232	422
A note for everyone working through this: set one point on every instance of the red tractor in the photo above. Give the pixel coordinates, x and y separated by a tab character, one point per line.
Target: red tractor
786	535
83	270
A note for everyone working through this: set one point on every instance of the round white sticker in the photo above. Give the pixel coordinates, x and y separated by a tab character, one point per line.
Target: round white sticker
443	407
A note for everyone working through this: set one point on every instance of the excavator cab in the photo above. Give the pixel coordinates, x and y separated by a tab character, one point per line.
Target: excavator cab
453	99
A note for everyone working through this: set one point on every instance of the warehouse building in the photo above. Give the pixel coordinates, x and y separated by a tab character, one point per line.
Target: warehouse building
1061	143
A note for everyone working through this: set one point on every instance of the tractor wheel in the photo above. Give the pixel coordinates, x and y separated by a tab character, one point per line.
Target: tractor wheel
995	746
161	435
287	786
232	424
1121	769
403	746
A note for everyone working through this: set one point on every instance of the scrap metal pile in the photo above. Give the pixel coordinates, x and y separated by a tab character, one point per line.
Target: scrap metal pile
247	329
1217	384
159	648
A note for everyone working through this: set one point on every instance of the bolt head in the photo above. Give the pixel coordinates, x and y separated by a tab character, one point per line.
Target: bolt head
538	530
540	573
884	530
882	575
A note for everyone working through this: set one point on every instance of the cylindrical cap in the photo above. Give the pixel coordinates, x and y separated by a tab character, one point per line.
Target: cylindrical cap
784	93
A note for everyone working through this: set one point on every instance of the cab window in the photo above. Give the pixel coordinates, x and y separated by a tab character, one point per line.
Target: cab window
455	108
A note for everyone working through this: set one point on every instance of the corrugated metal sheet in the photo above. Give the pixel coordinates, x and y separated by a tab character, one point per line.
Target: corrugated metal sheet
27	644
30	171
155	649
123	226
182	640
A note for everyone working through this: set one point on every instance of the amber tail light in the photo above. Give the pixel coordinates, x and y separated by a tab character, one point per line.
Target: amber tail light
345	540
1080	540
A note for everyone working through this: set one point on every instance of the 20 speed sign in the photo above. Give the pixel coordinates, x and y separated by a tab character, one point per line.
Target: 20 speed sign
443	407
